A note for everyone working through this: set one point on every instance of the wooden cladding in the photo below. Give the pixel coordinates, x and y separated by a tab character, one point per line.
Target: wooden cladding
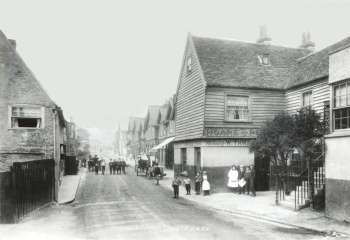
320	93
263	105
190	101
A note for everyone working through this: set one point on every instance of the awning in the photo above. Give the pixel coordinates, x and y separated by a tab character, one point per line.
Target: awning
163	144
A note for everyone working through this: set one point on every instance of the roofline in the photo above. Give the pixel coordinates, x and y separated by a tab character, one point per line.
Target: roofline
339	49
273	89
254	88
325	48
248	42
306	83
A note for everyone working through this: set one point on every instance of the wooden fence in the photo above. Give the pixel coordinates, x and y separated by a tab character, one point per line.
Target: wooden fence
26	187
70	165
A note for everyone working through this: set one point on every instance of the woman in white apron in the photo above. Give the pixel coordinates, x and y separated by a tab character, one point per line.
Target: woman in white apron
233	179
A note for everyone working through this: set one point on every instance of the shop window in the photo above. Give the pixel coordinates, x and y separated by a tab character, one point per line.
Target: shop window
237	108
341	118
26	117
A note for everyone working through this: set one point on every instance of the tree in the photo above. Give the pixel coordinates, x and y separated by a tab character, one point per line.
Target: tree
308	131
280	136
275	139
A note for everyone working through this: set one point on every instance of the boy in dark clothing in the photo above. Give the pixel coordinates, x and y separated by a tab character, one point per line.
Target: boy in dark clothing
187	182
198	183
157	173
252	180
175	184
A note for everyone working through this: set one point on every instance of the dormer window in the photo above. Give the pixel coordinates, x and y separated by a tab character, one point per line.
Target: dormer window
189	64
264	59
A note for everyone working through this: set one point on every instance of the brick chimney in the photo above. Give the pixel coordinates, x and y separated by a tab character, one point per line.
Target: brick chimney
263	36
306	42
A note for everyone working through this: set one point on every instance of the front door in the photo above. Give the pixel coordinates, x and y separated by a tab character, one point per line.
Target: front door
262	172
197	159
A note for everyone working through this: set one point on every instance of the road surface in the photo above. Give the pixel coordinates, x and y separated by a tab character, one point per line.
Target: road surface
133	207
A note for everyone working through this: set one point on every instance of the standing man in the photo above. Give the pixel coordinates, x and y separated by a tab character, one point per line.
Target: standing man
110	166
252	180
175	184
247	178
103	166
157	173
198	182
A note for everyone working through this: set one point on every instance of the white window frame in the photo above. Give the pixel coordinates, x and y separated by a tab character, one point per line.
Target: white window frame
227	95
262	59
311	98
42	110
346	106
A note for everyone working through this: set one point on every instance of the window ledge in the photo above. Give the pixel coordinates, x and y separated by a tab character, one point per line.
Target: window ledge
238	121
339	133
24	128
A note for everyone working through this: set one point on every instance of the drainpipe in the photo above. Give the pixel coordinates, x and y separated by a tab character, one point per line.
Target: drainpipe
54	153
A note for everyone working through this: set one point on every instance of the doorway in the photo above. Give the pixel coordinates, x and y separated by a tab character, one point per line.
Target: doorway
197	160
262	173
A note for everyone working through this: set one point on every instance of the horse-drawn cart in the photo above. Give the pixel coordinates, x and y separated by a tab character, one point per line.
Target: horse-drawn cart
142	167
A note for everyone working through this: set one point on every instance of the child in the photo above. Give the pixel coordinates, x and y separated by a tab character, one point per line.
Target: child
206	186
175	184
187	182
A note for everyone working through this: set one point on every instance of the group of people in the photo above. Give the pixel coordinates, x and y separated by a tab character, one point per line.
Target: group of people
200	180
95	164
241	179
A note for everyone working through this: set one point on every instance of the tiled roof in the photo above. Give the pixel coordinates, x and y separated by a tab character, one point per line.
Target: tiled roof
164	112
231	63
316	65
153	115
20	74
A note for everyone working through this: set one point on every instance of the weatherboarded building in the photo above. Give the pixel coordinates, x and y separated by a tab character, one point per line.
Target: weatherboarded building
226	91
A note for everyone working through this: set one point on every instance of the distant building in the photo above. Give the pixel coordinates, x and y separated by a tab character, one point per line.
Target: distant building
165	149
84	143
151	128
135	137
120	142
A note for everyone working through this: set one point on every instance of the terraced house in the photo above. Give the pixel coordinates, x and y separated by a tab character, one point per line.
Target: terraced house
227	89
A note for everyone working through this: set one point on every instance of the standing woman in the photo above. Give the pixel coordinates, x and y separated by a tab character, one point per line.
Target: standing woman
233	179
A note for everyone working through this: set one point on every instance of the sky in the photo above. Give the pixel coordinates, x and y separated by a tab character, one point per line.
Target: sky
105	60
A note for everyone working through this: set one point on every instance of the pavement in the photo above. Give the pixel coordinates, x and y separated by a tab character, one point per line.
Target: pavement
134	207
69	187
263	207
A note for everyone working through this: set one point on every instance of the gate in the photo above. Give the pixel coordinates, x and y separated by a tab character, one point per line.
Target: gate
70	165
28	186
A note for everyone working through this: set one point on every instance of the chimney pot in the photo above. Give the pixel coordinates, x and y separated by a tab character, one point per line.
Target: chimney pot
264	38
306	41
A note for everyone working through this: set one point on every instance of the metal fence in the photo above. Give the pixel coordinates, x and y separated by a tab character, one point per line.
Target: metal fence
26	187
